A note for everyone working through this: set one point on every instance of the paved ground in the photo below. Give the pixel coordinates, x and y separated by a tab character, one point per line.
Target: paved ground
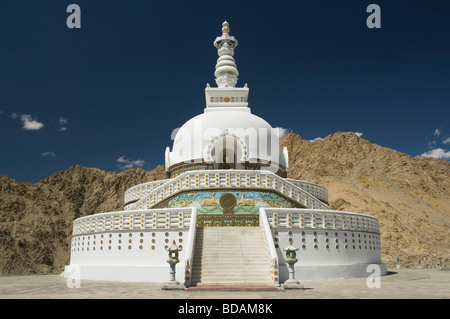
398	284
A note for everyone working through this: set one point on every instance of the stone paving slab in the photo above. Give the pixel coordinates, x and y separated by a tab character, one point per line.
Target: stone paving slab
398	284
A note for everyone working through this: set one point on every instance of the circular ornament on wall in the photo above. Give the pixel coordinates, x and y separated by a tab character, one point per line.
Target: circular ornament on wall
228	202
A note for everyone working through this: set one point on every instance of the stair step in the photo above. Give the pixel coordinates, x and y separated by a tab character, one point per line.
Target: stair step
243	276
230	278
230	262
204	278
240	282
226	269
224	255
209	282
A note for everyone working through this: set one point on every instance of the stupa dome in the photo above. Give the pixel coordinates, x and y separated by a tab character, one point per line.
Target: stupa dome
225	136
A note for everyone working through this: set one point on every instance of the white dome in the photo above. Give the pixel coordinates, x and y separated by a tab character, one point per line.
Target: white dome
244	135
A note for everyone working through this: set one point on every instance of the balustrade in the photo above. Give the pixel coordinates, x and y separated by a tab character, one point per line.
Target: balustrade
134	220
321	219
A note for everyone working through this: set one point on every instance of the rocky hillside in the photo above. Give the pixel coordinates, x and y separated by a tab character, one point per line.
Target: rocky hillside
36	219
410	197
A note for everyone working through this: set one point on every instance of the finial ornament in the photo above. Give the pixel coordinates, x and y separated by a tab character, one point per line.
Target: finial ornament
225	28
226	70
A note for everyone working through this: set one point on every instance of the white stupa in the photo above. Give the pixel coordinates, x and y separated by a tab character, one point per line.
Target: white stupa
228	205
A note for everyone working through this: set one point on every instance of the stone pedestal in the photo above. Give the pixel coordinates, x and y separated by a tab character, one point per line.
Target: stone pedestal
292	284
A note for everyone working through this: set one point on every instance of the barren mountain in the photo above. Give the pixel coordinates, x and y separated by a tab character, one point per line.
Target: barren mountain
410	197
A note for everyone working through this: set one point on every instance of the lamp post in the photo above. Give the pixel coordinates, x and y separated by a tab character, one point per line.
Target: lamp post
172	261
291	259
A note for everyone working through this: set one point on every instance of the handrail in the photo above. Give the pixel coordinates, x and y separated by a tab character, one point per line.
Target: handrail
316	190
190	248
129	194
264	224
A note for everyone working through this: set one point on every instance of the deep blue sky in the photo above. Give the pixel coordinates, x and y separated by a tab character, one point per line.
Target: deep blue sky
136	70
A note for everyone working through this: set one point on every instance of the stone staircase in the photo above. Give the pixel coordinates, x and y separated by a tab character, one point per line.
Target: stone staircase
230	256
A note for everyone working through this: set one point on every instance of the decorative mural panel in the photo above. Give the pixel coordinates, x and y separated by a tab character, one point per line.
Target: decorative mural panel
228	201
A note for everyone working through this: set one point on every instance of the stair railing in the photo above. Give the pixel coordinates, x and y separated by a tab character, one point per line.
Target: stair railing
190	248
270	246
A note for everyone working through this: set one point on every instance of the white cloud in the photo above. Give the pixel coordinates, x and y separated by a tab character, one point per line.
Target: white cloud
14	115
446	141
437	132
63	121
359	134
50	154
432	144
437	153
316	139
126	163
281	131
28	123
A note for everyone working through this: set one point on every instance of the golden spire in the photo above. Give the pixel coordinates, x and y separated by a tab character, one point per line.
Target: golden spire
225	28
